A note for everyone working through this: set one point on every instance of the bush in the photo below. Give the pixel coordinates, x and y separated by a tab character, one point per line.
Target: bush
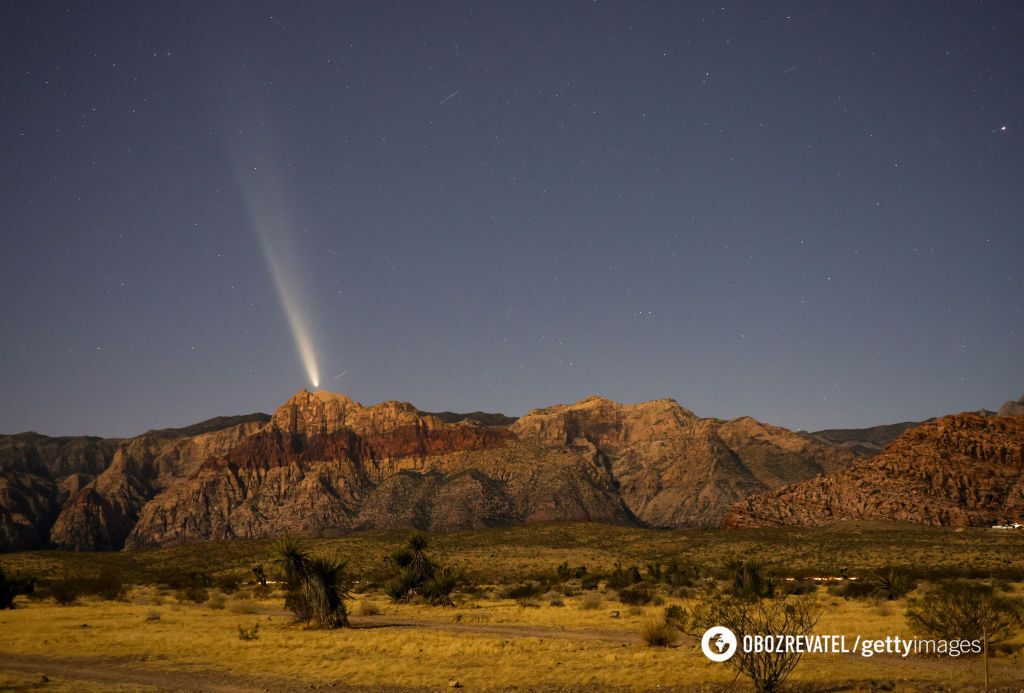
438	589
249	633
634	596
314	584
853	589
590	582
64	591
893	584
193	593
153	616
797	587
656	633
228	584
957	609
107	585
523	591
417	576
11	587
180	579
792	617
749	581
217	601
624	577
590	602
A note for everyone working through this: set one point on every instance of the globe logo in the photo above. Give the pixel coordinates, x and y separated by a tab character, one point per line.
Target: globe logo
718	643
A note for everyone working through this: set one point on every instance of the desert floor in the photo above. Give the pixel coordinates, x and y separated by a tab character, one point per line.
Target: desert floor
154	638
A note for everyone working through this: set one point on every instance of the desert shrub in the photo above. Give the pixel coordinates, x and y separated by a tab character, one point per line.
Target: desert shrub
657	633
108	585
314	584
634	596
797	587
636	611
749	581
853	589
624	577
179	578
153	616
12	586
957	609
654	572
522	591
590	582
216	601
892	583
528	603
193	593
251	633
64	591
437	590
228	584
554	599
677	574
563	572
793	616
416	575
590	602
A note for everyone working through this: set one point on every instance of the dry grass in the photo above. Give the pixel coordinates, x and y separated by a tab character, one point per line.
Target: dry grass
497	645
494	641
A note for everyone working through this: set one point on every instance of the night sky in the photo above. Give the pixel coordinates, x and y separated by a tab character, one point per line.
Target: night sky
809	213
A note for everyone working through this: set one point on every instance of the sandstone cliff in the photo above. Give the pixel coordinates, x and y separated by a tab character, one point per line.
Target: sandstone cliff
326	464
37	476
962	470
673	468
323	463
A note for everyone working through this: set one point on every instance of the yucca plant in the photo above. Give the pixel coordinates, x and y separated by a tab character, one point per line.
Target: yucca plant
416	574
314	584
893	584
438	589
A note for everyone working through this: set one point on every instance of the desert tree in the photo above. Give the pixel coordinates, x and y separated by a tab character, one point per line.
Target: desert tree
314	584
958	610
778	616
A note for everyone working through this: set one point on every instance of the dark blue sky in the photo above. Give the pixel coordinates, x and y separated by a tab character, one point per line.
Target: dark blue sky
809	213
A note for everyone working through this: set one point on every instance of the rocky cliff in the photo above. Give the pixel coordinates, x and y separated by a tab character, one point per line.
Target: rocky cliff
961	470
324	463
673	468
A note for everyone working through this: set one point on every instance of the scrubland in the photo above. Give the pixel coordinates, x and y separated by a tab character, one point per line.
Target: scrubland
526	616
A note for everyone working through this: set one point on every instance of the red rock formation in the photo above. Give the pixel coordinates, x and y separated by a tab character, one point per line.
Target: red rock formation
673	468
962	470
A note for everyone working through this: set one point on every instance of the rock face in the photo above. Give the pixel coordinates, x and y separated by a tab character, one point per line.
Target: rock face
37	476
673	468
1012	408
961	470
864	442
323	464
326	464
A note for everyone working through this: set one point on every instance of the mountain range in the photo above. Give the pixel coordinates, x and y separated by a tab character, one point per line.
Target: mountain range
324	464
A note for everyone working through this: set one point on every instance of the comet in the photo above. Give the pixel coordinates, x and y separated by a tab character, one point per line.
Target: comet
266	205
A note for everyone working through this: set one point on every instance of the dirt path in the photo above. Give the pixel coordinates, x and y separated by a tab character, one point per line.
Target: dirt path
119	672
507	630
